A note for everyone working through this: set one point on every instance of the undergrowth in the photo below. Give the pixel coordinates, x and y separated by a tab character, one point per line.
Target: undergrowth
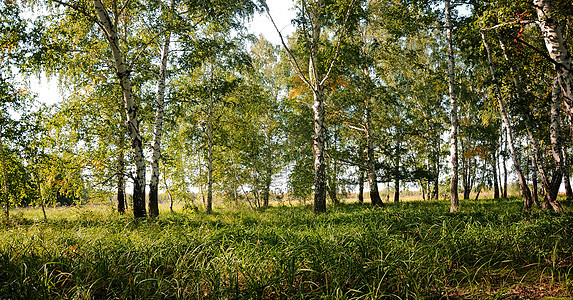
412	250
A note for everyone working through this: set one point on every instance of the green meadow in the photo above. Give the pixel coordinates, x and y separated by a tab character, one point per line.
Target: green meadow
410	250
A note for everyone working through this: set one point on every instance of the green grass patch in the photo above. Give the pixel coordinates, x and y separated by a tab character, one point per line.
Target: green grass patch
411	250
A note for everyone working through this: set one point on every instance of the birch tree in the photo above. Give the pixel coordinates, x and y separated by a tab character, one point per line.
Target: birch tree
314	20
454	201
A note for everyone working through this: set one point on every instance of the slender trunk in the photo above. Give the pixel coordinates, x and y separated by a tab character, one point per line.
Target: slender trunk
504	163
4	178
454	201
158	129
423	188
397	173
566	179
209	204
534	181
495	181
123	74
121	201
318	150
371	160
525	192
361	186
168	190
267	187
120	182
396	190
436	191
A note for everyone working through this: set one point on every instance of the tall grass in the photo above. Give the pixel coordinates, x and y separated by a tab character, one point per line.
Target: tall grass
411	250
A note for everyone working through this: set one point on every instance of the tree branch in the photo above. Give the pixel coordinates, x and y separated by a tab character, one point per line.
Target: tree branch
293	61
337	50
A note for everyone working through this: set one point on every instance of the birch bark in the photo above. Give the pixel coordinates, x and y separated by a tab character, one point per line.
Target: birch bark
158	129
454	200
557	50
123	73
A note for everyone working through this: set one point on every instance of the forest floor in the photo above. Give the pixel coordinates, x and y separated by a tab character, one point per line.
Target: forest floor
410	250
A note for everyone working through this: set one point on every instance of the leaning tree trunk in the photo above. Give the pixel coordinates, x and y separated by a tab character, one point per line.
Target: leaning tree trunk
123	73
525	192
158	130
454	200
551	188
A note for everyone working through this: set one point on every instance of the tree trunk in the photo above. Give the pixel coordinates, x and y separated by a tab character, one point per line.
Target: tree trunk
158	129
396	190
504	162
534	181
566	179
267	187
121	200
454	201
397	171
551	187
557	50
360	186
371	160
495	181
123	74
209	204
318	147
4	177
120	181
436	190
525	192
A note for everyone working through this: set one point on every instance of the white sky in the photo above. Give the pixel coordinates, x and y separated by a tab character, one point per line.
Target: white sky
281	11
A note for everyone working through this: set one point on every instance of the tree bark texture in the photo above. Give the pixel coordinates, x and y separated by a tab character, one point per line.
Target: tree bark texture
454	200
123	74
557	49
158	130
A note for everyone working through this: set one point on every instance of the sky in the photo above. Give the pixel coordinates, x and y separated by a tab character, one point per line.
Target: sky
281	11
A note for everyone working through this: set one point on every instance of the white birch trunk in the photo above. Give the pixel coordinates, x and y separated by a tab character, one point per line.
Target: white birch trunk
557	49
158	130
454	201
123	73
